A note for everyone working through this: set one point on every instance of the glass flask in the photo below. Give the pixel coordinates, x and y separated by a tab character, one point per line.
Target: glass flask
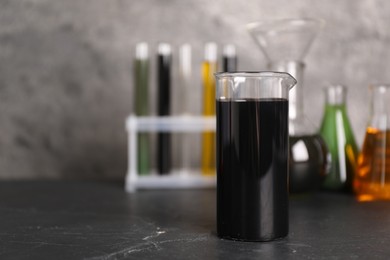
285	43
338	135
372	181
252	155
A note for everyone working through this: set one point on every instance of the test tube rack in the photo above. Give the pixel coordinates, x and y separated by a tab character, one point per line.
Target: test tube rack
172	124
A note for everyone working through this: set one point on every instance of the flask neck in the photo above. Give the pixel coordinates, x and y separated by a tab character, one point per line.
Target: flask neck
380	107
295	69
335	95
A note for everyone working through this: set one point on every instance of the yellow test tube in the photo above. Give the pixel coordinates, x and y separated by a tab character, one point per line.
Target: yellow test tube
209	67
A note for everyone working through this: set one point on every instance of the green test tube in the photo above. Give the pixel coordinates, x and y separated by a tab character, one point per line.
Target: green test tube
141	103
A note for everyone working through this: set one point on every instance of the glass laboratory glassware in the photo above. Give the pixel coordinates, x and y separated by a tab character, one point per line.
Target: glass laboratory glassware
141	103
284	43
372	181
209	67
185	83
338	135
164	68
252	155
229	58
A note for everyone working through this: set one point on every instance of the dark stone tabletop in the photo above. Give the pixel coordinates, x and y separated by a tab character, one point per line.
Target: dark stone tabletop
97	220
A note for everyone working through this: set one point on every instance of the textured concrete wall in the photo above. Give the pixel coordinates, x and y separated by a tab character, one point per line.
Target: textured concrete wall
65	69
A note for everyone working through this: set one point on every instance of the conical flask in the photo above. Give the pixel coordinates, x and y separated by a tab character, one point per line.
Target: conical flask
285	43
337	133
372	181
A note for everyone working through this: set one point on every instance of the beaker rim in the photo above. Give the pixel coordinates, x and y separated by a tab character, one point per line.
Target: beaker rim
285	77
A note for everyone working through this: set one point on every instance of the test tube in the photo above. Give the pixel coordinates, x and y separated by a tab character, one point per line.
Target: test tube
164	62
209	67
185	73
229	58
141	103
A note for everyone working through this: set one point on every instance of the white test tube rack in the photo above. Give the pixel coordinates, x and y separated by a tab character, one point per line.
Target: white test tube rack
172	124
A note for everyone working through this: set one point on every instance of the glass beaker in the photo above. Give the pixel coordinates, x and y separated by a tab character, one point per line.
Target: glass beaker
285	43
372	181
338	135
252	155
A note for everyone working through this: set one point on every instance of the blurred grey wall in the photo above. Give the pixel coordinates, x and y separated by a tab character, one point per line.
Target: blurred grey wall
66	82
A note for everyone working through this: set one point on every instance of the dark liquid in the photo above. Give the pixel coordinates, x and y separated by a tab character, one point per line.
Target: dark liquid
252	156
372	181
308	163
164	103
229	64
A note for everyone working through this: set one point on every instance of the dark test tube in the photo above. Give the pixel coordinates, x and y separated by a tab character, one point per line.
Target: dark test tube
163	105
229	58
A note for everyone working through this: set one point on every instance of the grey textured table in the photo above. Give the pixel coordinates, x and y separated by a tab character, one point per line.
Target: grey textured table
84	220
